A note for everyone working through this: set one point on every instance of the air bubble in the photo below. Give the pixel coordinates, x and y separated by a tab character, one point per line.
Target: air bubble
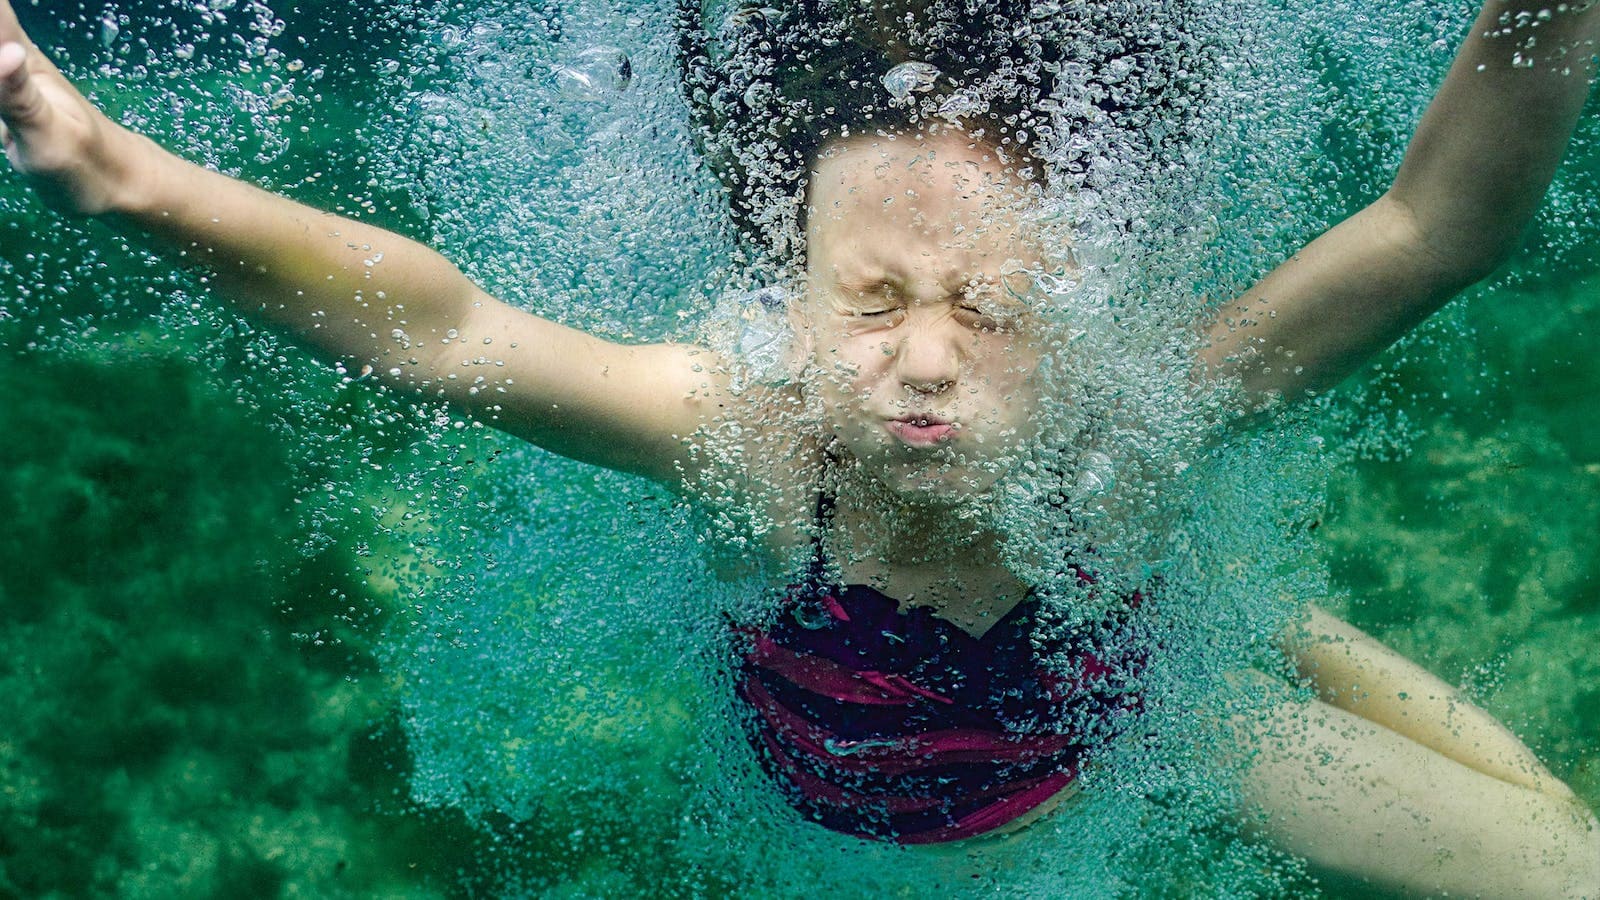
1095	474
595	74
910	77
961	105
109	30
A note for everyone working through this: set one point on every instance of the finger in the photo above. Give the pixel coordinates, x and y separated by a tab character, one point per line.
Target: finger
11	32
21	103
10	29
12	56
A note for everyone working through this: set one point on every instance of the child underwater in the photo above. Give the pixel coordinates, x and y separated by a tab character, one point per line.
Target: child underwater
897	696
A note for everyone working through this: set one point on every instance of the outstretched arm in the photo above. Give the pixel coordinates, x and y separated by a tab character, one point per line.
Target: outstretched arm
375	300
1475	172
1393	778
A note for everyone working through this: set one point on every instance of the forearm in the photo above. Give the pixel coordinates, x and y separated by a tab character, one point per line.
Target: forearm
1473	176
358	293
1489	143
349	290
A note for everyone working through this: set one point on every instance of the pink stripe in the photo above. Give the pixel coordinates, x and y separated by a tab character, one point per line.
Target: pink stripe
826	793
901	755
996	814
1014	800
831	679
835	608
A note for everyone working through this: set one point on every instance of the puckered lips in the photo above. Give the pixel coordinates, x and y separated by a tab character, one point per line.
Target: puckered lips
921	429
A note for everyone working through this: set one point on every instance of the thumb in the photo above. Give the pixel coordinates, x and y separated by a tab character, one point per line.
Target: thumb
10	28
21	103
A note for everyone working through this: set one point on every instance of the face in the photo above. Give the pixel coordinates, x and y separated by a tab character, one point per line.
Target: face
921	348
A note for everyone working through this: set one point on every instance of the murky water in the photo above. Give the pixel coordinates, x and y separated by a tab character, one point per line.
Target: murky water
270	628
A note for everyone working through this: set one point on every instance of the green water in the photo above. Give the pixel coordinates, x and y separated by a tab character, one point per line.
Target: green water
213	548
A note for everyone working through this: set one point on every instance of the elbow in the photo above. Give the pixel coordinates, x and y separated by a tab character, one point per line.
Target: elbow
1469	262
1457	249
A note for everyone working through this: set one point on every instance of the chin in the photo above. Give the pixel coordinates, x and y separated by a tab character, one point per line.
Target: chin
949	476
941	485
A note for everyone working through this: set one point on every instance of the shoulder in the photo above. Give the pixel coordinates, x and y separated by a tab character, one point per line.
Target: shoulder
759	468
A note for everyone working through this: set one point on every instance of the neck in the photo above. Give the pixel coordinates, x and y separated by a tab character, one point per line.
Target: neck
946	557
874	522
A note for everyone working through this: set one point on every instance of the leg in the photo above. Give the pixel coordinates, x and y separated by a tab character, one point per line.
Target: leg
1362	801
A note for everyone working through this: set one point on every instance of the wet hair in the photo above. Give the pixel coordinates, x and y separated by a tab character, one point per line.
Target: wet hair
769	85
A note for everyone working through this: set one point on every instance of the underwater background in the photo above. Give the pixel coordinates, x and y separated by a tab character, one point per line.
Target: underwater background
268	631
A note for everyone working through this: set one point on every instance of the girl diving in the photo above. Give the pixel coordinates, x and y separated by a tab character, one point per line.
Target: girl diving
959	627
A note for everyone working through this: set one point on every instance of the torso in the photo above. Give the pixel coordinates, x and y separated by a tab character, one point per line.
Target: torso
891	723
972	597
971	620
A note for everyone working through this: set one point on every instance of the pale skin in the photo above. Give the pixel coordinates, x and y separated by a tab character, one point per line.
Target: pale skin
924	374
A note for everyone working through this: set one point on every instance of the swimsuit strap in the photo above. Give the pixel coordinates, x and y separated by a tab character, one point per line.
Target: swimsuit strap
817	578
821	523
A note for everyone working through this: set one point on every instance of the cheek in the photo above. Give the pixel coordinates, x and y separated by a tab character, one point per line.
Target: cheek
851	364
1024	377
835	378
1009	369
1026	399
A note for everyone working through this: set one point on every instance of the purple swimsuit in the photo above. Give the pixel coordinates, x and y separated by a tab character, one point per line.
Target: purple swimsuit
901	726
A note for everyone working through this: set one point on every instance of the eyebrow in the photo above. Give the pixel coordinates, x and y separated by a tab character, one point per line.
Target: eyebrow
862	284
995	291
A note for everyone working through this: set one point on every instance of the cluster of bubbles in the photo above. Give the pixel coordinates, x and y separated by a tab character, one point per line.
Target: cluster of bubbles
562	167
562	664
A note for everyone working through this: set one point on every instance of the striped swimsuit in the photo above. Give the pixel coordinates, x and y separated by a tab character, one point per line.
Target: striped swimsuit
900	726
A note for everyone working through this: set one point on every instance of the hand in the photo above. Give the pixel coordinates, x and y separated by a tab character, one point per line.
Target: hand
76	157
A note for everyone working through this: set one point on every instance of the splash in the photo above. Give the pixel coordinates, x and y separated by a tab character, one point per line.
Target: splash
536	709
557	646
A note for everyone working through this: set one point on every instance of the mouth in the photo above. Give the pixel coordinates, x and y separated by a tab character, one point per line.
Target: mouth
921	430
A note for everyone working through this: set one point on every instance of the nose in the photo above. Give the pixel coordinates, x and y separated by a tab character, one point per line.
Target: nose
928	357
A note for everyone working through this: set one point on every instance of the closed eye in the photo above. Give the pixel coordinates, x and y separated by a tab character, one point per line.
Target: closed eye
982	307
870	299
996	317
981	319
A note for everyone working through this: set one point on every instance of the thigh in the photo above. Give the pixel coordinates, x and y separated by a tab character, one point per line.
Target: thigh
1365	802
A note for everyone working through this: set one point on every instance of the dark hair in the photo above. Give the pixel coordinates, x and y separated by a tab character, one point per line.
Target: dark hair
769	84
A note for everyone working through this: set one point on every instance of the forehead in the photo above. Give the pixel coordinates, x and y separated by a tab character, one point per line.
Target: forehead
950	146
942	194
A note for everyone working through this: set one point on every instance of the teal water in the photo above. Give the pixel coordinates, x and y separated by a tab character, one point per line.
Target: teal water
268	632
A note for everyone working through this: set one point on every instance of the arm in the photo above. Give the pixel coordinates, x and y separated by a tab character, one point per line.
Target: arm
1393	778
1474	174
378	301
